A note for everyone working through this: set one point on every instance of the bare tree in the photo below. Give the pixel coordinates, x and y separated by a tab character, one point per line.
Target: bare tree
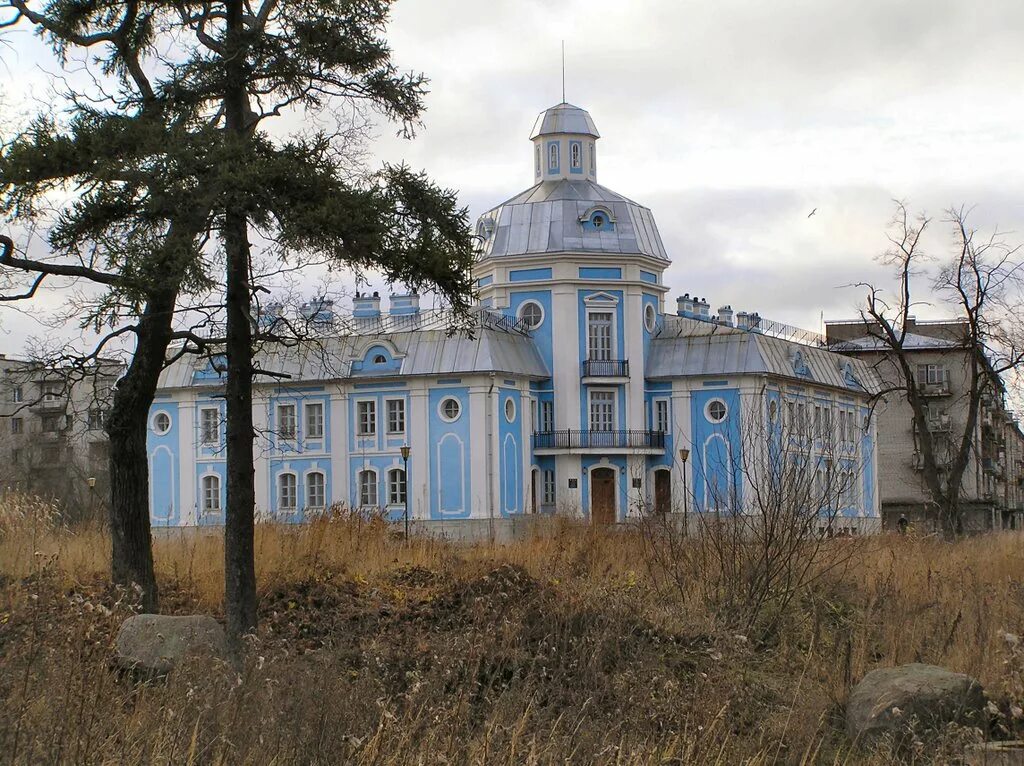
980	284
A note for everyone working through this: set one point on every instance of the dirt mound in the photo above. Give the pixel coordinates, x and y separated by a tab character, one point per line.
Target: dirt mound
326	609
413	576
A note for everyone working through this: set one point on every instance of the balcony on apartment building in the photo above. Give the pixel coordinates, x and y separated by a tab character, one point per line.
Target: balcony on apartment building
636	441
601	370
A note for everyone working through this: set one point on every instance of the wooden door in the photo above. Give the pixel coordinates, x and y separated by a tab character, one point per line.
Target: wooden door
602	495
663	491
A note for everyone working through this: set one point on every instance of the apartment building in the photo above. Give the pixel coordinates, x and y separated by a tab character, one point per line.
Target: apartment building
52	437
992	492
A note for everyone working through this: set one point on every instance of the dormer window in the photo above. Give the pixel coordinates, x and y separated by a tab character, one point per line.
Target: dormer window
598	220
380	359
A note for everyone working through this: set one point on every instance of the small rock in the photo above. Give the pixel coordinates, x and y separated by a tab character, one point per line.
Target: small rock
153	644
888	698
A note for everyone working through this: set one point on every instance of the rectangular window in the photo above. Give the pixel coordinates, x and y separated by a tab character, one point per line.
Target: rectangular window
932	374
17	394
287	492
316	495
211	494
599	336
661	415
549	487
547	416
15	456
51	423
817	420
396	487
368	489
51	392
314	420
96	420
286	421
602	410
17	426
209	425
366	416
396	416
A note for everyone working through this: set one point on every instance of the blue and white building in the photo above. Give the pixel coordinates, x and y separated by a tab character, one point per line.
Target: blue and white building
576	393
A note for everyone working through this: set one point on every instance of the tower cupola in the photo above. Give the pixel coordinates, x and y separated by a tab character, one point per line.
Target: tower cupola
564	145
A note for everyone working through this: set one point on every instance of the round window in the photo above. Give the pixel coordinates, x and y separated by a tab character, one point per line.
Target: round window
161	422
650	317
450	409
531	314
716	411
510	410
598	221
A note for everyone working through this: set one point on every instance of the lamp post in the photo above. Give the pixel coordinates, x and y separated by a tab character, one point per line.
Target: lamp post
405	459
683	455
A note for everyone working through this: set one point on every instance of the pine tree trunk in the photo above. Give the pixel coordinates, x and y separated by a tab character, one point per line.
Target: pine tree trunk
239	563
131	542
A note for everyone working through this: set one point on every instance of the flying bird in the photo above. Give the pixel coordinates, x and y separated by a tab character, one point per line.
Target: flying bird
812	212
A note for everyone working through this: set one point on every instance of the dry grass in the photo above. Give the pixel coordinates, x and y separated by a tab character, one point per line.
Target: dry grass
554	649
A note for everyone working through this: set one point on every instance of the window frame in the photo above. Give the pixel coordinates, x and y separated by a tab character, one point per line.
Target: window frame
612	339
613	402
284	434
17	425
547	415
203	433
707	411
530	304
548	487
657	405
389	403
322	489
363	486
397	486
292	479
444	415
308	409
17	394
205	493
366	420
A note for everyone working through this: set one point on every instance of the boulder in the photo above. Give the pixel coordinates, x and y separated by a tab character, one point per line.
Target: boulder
891	700
153	644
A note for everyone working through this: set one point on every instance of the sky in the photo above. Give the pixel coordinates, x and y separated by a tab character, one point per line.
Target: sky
731	120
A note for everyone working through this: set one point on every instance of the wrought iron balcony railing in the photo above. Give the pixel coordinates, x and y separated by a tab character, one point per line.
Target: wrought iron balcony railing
572	439
606	368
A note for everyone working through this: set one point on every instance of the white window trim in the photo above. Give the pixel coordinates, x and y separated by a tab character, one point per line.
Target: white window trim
202	493
155	417
305	487
387	416
531	302
440	409
359	419
202	434
280	484
668	413
615	406
650	317
610	308
295	420
550	405
510	401
305	420
707	411
405	477
359	487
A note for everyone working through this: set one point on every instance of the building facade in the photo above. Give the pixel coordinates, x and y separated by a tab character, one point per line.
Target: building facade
52	437
573	391
992	490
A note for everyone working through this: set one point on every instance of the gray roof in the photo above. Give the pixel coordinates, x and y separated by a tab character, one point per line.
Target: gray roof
564	118
431	351
546	219
912	341
730	351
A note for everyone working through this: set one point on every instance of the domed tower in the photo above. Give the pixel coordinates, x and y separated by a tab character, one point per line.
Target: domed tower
581	266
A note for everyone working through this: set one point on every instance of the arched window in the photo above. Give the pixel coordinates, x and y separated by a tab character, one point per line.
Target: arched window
574	155
316	497
368	489
553	156
396	487
211	493
287	492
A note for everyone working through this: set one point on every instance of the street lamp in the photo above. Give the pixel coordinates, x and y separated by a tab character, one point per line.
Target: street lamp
683	455
405	458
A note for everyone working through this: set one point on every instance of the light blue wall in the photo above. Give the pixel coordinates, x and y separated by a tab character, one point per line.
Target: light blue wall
649	300
649	276
660	390
528	275
367	365
541	335
717	450
300	467
450	478
867	458
509	440
591	272
164	467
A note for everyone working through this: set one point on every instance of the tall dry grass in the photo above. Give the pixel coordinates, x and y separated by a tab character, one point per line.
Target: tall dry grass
557	648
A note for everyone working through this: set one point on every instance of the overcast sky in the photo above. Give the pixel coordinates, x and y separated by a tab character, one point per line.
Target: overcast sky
732	120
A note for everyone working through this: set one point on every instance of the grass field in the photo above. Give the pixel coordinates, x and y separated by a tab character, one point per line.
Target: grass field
563	648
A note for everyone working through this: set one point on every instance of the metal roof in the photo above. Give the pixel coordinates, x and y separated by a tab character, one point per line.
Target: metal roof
564	118
546	218
910	341
719	350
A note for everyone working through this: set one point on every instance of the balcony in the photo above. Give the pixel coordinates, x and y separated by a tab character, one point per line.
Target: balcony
599	442
605	369
937	424
940	388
